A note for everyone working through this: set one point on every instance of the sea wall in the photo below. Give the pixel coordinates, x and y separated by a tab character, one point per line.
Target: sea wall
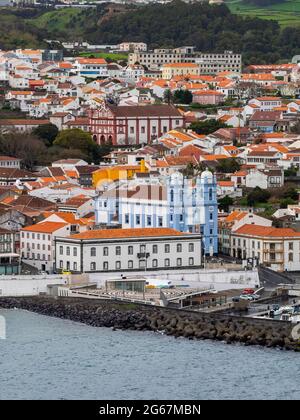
173	322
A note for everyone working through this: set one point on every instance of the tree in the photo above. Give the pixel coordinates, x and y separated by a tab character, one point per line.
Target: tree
229	165
182	96
257	195
79	140
168	96
46	132
24	146
207	126
225	202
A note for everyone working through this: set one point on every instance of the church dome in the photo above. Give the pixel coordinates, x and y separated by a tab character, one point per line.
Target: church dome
207	176
176	178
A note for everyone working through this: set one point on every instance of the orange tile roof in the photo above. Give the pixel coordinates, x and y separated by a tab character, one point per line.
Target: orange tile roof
71	174
215	157
264	231
68	217
226	183
92	61
127	233
172	65
269	98
236	215
240	173
44	227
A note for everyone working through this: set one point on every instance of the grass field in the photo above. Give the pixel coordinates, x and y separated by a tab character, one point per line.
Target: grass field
106	56
287	13
61	21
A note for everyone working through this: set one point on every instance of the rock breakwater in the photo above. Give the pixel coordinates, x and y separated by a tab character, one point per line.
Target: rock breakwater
177	323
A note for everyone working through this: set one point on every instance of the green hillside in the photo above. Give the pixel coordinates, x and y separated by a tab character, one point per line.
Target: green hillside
286	13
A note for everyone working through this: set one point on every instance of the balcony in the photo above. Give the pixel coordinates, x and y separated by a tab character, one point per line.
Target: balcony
141	255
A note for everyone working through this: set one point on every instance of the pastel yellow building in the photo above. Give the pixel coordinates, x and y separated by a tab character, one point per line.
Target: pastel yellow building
179	69
116	173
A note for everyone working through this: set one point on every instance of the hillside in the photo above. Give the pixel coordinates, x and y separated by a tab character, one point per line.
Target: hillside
286	13
209	28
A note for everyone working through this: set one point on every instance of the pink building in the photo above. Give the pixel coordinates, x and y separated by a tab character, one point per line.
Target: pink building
208	97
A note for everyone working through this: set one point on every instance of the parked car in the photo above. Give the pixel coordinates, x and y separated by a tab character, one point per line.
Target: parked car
247	292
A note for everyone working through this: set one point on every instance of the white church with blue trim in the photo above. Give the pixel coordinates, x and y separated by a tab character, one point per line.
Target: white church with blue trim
175	201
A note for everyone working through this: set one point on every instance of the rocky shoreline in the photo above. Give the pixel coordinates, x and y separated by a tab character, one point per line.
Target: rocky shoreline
177	323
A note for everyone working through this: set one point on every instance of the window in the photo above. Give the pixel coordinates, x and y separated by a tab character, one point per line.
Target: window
143	129
130	264
167	248
105	265
118	250
149	220
191	261
179	248
127	218
61	250
179	262
167	262
154	249
93	252
75	266
93	266
211	216
61	264
105	251
118	265
191	247
291	246
138	219
74	252
154	263
160	221
68	250
290	256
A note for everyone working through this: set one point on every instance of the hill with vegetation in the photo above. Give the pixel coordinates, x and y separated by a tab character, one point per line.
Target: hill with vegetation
285	12
209	27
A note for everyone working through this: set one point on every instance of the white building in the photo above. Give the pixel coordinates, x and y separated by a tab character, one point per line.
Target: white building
37	243
277	248
127	250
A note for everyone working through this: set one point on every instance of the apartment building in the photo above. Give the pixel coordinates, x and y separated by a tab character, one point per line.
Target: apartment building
132	46
37	243
179	69
209	63
276	248
9	259
122	250
9	162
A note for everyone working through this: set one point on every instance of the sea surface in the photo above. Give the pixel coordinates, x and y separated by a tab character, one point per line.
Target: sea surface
49	358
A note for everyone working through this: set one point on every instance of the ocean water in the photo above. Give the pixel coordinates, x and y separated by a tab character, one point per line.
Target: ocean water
49	358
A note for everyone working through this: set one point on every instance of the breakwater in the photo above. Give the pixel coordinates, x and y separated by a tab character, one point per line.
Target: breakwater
177	323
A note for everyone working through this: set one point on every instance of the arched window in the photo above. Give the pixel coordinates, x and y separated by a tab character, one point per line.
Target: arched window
93	252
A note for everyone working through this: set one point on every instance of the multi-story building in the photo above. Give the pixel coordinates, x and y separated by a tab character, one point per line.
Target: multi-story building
37	243
9	162
234	221
183	204
277	248
179	69
9	259
122	125
92	67
132	46
128	250
209	63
